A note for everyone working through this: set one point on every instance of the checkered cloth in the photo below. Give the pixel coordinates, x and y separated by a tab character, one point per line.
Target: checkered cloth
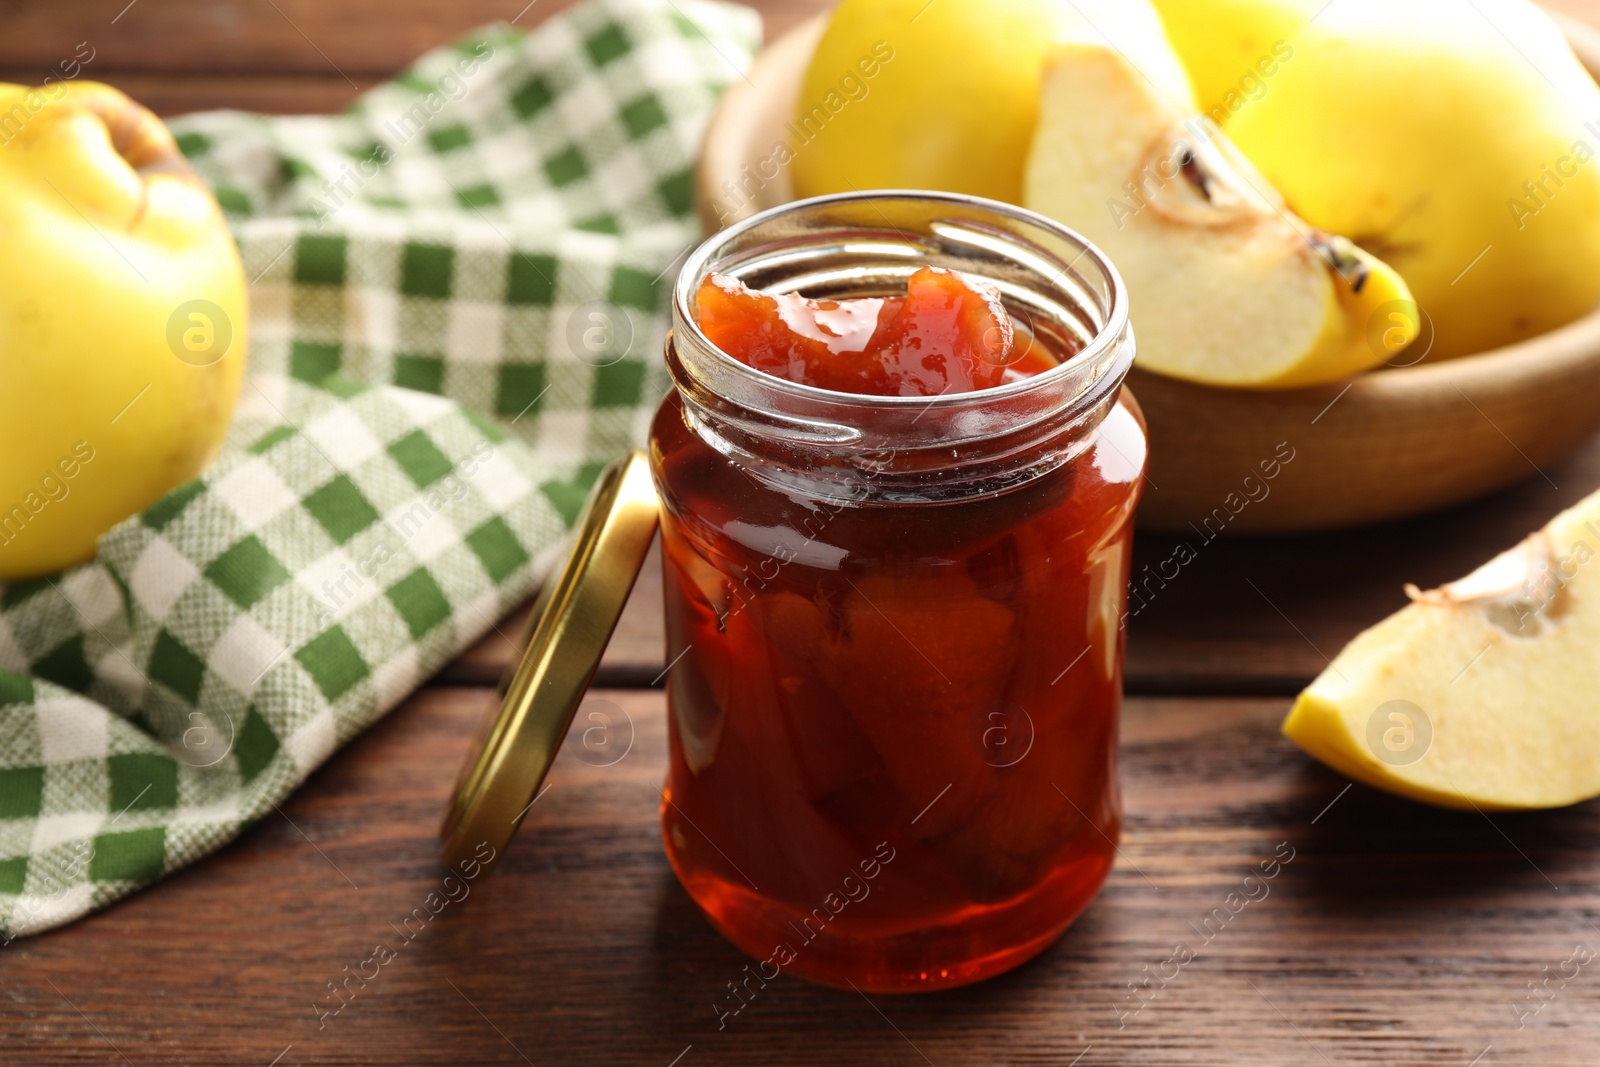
458	296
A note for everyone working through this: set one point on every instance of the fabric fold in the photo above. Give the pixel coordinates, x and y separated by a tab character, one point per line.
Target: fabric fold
457	304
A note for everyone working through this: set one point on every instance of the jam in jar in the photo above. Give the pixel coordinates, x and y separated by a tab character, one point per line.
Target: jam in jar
895	586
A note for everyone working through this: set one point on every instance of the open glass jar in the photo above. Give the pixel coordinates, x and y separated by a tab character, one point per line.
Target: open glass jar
894	624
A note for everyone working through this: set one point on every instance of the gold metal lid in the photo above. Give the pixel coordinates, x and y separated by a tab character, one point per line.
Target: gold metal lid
568	631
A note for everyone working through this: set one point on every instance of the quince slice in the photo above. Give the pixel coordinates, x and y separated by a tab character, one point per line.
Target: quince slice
1480	693
1227	287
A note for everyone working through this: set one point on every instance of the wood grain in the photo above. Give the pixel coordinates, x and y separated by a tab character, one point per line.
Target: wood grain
272	94
188	55
1396	934
1245	615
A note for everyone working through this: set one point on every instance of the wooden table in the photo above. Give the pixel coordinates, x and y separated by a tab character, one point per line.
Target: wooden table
1398	934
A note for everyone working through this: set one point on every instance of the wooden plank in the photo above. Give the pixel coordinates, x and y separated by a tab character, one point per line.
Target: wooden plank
1245	615
271	94
286	56
1264	614
1396	934
360	39
633	658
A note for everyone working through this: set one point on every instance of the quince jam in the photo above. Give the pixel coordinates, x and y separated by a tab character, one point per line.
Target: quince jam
948	334
893	724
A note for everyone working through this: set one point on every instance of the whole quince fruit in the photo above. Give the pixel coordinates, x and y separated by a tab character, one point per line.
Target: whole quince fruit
1232	49
912	94
122	320
1479	694
1456	142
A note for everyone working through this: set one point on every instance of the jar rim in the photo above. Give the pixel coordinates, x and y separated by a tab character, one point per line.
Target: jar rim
1113	329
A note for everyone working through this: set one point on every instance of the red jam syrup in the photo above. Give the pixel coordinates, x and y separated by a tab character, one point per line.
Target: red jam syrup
948	334
893	727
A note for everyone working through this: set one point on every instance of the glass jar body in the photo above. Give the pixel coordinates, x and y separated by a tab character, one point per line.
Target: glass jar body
893	726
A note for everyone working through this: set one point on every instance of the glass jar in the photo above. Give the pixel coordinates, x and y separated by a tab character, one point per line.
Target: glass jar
894	624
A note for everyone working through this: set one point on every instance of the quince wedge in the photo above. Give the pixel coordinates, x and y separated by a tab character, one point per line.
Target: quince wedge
1226	286
1479	694
1459	142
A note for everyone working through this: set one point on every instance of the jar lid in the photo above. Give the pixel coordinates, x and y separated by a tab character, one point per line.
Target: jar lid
571	624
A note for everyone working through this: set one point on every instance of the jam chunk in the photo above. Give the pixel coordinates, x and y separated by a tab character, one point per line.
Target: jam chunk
948	334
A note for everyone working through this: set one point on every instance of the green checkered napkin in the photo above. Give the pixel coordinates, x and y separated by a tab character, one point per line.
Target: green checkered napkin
458	289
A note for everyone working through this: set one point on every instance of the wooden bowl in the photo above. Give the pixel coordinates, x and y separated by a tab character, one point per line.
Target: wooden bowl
1385	444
